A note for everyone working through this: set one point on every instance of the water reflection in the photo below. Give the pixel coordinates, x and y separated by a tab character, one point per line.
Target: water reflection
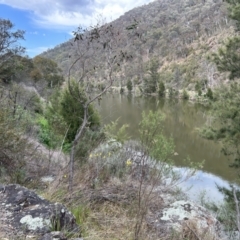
182	120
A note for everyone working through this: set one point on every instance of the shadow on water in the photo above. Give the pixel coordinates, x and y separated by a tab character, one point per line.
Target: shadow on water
181	122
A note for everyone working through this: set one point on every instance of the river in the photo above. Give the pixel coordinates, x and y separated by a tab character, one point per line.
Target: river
183	118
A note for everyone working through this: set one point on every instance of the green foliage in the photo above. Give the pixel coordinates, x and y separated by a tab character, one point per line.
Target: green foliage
228	59
186	71
225	211
199	92
227	127
81	213
72	110
9	49
13	147
150	82
163	36
161	91
208	133
121	90
234	11
152	139
46	70
45	134
185	95
64	114
101	86
53	113
113	131
129	85
172	93
209	94
89	141
198	86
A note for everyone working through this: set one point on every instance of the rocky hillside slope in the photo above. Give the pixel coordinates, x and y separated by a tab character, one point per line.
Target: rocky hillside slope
179	34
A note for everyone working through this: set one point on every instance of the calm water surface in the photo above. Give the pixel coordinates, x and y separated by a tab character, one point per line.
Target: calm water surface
181	122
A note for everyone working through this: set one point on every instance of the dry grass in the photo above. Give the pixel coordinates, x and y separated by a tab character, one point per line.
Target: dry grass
108	208
191	231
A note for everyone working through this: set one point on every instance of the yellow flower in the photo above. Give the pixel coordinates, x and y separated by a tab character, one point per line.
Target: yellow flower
90	155
65	176
129	162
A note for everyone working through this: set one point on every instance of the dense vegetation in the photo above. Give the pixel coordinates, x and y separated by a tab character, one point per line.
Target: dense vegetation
178	35
170	46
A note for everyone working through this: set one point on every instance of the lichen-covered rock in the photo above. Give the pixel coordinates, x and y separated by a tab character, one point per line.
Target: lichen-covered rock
186	217
23	212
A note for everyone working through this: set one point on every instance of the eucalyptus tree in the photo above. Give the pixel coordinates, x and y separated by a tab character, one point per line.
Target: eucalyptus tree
9	48
226	109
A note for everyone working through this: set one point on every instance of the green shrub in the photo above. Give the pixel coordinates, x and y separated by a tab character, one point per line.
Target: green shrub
185	95
89	141
113	131
161	91
81	213
72	110
121	90
129	85
45	134
209	94
14	147
199	92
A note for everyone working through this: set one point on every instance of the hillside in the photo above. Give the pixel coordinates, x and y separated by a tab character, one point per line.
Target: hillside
179	34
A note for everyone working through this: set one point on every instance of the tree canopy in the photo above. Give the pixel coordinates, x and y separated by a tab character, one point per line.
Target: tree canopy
226	108
9	48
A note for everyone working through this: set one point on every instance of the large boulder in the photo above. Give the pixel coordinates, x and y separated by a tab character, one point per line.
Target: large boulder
188	219
24	213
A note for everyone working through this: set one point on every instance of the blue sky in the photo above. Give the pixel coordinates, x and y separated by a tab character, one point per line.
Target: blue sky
48	23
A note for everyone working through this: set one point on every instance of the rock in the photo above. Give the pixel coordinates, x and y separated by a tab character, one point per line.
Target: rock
186	218
24	213
53	235
57	236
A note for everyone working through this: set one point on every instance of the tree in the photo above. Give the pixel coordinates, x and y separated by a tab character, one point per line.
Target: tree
129	85
87	42
161	91
226	112
73	112
47	70
209	94
160	149
185	95
9	47
15	148
234	11
228	58
198	88
227	106
152	80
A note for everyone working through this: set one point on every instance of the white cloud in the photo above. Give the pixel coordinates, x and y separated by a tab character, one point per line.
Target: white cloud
60	14
35	51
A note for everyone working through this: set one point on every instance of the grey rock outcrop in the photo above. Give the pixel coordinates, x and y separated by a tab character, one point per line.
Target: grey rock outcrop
23	212
185	217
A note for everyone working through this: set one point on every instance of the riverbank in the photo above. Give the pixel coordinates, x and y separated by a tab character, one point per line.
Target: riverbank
119	191
169	94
